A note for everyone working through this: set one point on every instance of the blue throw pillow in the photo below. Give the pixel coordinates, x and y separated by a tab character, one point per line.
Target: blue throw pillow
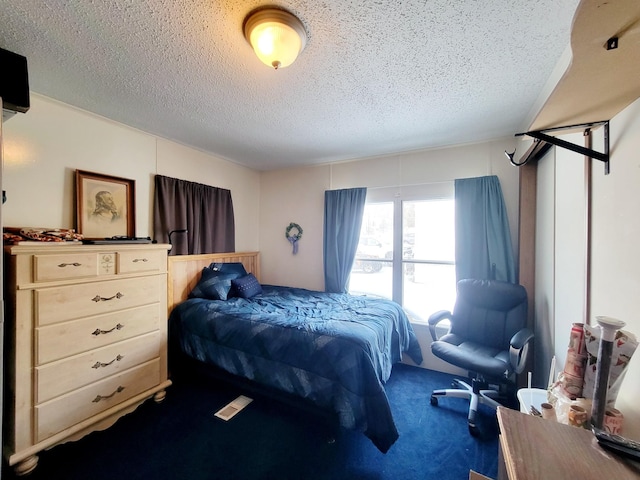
247	286
232	267
213	285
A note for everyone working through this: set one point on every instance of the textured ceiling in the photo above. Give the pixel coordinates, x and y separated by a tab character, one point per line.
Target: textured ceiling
376	77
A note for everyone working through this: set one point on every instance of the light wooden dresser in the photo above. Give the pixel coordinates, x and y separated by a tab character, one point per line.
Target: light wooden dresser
87	340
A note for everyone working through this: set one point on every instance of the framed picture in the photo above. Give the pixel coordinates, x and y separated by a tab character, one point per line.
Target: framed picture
105	205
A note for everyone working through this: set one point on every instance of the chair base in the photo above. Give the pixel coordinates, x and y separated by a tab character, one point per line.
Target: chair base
474	393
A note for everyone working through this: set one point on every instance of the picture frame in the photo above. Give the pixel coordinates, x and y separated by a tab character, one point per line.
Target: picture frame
105	206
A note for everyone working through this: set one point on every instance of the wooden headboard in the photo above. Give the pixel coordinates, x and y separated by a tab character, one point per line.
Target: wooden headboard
184	271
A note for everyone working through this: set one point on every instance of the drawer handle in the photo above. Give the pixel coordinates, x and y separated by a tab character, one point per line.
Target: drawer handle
74	264
136	260
98	298
100	364
97	331
107	397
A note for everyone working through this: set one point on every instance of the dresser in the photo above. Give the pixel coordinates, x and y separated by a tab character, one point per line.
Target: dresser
86	334
532	448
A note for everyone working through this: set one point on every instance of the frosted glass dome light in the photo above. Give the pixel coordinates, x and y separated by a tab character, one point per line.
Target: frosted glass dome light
277	37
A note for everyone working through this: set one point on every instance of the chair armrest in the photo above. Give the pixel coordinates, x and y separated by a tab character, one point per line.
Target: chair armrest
434	319
519	349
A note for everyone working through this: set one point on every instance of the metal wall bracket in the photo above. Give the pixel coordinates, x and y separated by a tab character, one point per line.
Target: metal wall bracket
542	139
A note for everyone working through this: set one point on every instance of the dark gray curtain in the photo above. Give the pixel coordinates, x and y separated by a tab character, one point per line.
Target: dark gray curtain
205	212
483	240
343	210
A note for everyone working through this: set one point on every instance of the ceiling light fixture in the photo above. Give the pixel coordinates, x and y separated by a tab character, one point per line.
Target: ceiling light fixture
275	35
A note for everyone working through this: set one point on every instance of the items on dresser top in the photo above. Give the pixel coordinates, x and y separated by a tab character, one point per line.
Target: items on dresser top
19	235
118	239
87	334
618	444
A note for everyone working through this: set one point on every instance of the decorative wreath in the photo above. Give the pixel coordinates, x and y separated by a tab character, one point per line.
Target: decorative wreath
296	236
293	239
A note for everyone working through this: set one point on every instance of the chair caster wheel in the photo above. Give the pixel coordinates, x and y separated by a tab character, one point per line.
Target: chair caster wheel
473	430
434	400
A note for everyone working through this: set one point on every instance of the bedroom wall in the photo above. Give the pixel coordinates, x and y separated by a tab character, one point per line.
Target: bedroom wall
615	258
297	195
45	146
293	195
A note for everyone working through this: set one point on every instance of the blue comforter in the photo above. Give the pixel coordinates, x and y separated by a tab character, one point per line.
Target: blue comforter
335	350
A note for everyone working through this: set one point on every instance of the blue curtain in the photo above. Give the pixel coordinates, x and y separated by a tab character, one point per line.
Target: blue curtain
343	210
483	241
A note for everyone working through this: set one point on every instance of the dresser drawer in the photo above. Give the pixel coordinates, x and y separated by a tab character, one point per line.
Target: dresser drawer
48	268
74	372
74	407
60	340
76	301
135	261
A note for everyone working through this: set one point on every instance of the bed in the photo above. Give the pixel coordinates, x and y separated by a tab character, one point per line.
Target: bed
332	350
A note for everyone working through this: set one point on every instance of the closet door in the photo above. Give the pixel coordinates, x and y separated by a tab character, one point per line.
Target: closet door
561	254
570	244
544	327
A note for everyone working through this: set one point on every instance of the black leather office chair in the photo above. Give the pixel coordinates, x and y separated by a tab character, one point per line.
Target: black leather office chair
488	337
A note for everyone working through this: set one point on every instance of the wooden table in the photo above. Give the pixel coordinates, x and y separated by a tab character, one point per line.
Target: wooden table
532	448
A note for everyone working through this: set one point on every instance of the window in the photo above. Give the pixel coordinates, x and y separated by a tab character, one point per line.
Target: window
407	253
429	276
372	271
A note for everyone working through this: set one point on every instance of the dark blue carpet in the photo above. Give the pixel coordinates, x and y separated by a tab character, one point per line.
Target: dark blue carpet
181	439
